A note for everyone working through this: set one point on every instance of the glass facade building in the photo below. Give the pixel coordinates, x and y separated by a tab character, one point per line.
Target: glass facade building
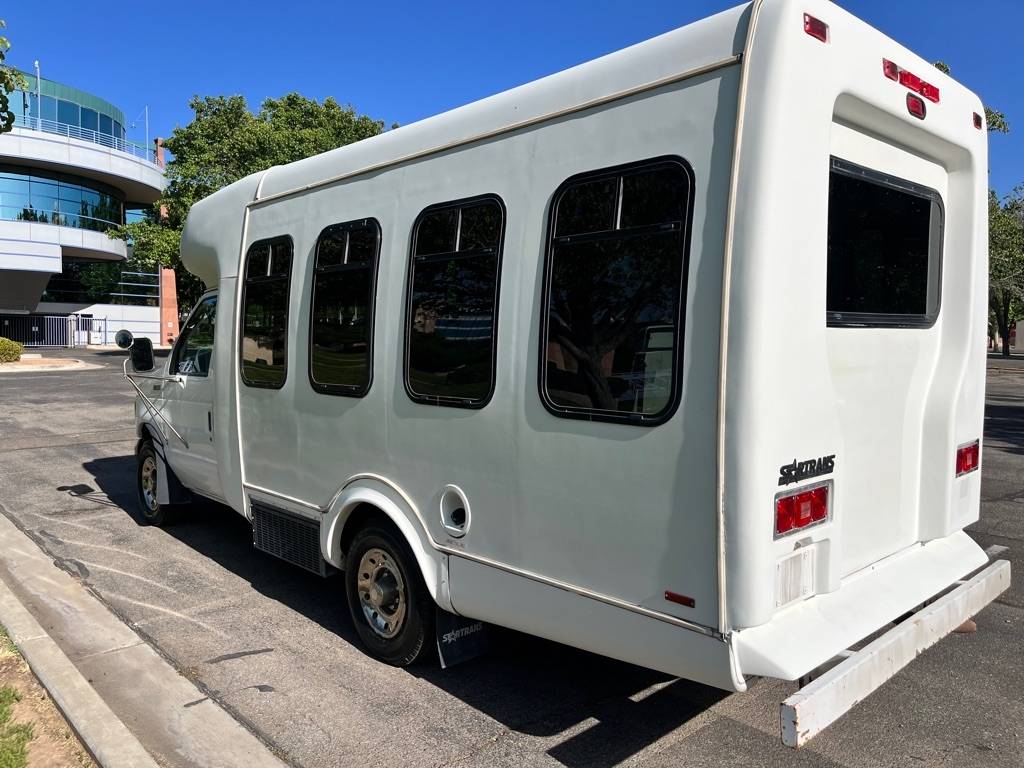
69	175
58	198
63	104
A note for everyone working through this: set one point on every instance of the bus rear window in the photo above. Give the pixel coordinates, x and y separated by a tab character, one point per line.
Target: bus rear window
884	250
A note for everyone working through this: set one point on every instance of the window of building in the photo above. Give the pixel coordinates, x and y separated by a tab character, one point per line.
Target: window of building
194	350
453	303
341	322
67	112
49	108
264	354
106	125
56	198
612	330
90	119
884	250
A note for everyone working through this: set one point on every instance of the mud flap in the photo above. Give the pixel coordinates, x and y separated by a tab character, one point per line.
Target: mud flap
459	639
169	490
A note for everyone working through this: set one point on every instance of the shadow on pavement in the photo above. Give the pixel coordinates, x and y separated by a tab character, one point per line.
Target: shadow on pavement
530	685
1005	424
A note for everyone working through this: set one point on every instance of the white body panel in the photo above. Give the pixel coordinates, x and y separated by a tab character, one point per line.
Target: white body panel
599	521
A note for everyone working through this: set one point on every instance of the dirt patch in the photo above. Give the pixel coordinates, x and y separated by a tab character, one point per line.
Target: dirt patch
53	744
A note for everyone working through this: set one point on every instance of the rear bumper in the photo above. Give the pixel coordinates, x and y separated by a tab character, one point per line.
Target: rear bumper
815	706
828	624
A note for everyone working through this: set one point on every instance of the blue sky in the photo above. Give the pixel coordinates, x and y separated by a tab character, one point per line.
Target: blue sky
402	61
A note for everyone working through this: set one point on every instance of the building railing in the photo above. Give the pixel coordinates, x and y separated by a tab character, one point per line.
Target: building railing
86	134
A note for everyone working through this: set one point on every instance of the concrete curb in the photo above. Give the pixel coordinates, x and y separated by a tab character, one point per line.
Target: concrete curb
102	733
71	365
128	704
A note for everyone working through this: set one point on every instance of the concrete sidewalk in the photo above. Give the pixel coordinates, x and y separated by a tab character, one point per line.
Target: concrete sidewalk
127	704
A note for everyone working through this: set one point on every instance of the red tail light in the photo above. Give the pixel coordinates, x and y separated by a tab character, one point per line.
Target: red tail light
909	79
816	28
906	78
930	92
801	509
915	105
967	458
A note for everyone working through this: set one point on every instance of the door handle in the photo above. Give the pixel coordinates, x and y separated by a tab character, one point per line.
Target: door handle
209	421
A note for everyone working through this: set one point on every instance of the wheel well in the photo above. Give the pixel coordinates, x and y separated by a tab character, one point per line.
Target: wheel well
146	435
359	518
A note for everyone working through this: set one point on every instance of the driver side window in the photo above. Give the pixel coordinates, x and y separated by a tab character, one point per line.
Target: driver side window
194	350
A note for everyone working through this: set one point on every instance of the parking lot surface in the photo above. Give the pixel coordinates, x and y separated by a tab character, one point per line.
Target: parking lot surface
274	645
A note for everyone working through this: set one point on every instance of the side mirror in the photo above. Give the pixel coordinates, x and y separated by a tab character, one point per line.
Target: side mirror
141	354
140	350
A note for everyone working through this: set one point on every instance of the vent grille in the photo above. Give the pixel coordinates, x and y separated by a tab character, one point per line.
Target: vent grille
290	537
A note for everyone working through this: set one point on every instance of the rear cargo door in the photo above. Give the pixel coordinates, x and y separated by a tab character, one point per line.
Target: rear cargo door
884	314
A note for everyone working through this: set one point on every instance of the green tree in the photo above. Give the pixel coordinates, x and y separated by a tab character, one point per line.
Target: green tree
223	143
1006	261
1005	244
10	79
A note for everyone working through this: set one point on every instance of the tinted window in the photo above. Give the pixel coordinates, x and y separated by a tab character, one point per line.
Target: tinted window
452	308
90	119
884	249
265	313
49	107
341	332
67	112
616	278
194	350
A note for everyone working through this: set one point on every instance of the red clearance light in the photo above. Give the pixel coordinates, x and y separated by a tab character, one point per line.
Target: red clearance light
801	509
915	105
978	122
909	79
930	92
894	72
967	458
816	28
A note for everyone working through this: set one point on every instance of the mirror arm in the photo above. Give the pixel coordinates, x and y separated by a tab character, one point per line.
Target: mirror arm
150	405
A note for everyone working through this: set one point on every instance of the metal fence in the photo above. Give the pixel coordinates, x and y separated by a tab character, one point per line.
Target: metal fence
86	134
54	330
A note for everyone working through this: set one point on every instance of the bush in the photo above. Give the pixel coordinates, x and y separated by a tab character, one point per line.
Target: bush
10	351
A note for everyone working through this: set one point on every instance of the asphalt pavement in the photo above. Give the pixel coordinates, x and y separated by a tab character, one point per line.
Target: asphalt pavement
275	646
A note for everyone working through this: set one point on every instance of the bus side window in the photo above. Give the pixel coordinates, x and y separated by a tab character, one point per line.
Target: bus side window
452	306
341	319
264	353
615	283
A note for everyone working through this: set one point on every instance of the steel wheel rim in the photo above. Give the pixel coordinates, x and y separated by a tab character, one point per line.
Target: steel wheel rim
147	481
382	594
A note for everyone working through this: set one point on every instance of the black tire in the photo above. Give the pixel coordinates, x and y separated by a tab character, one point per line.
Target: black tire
153	512
412	636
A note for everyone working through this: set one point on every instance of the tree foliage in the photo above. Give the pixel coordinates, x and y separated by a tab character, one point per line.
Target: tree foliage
1006	261
10	79
225	142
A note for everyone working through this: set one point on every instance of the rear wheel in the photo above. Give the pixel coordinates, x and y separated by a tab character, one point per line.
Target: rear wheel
153	512
391	608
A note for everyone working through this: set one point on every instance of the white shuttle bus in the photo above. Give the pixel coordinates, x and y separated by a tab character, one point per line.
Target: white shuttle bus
677	356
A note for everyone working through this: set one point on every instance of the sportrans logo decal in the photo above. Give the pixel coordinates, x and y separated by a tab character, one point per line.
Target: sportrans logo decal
796	471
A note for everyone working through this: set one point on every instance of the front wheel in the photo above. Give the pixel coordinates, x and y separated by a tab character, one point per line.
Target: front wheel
153	512
391	608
